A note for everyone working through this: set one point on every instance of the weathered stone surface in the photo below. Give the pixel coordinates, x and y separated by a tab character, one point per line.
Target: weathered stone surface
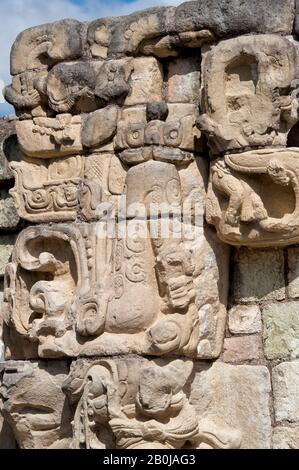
293	273
146	81
7	130
6	247
285	388
245	319
243	348
9	219
285	437
238	397
130	132
34	404
250	282
296	25
281	330
184	80
56	41
240	200
231	17
100	127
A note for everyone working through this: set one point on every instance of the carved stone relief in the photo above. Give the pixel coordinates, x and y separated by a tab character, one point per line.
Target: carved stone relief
136	138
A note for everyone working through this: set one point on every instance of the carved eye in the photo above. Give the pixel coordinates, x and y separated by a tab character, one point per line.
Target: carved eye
135	135
174	134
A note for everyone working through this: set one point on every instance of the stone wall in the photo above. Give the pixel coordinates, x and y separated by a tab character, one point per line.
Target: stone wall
10	223
150	301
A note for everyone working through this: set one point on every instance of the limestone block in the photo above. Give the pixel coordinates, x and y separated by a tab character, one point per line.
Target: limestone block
47	190
281	330
238	397
9	219
7	148
293	273
49	137
6	247
224	18
184	80
246	115
240	200
243	348
100	127
169	130
250	282
285	388
34	404
245	319
146	81
285	437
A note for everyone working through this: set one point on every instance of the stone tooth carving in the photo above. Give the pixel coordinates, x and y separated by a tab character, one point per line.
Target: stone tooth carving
240	200
137	404
246	96
100	127
34	404
58	302
158	125
47	190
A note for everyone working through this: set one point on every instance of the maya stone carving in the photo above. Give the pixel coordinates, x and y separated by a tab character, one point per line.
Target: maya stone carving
137	137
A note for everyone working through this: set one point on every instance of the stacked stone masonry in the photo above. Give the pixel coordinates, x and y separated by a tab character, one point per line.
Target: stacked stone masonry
151	298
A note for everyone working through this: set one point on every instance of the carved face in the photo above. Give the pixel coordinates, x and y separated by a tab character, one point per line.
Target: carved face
40	289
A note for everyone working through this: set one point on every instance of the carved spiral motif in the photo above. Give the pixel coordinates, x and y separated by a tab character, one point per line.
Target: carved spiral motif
91	320
135	270
39	199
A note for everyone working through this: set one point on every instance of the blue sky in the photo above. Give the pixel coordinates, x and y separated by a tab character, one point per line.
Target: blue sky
17	15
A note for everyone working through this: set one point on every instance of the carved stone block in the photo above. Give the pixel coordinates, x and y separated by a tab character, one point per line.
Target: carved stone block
134	404
132	134
285	386
38	420
60	303
228	396
246	96
240	200
281	327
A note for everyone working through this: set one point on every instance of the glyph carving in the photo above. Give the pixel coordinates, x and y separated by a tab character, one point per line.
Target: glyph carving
59	302
246	96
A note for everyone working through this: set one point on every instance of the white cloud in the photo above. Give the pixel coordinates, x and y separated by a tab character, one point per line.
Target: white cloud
17	15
